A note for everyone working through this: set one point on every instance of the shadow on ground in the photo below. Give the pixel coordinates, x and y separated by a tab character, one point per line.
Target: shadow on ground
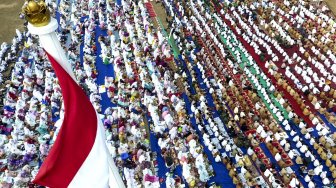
9	19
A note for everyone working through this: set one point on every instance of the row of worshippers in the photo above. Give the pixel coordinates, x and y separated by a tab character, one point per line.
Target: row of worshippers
128	138
324	132
319	99
310	75
146	70
32	99
145	76
8	53
32	105
262	133
325	179
233	150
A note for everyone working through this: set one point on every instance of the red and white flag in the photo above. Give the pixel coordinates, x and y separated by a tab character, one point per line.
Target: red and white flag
79	157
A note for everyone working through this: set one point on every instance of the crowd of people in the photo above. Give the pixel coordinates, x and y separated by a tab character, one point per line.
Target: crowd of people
242	94
288	119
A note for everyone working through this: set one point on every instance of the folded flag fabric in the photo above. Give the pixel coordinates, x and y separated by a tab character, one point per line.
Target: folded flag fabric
79	157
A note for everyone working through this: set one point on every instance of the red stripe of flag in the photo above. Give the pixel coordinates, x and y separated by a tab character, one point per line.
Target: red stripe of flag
76	136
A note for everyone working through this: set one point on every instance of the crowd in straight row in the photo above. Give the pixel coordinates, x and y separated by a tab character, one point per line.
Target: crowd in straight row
232	33
250	92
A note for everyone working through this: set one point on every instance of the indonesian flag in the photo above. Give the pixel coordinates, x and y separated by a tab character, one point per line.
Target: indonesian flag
79	157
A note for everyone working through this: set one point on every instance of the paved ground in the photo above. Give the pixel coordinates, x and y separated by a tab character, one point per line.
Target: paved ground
332	5
160	12
9	19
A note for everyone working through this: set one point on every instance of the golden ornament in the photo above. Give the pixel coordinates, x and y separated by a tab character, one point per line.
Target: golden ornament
36	13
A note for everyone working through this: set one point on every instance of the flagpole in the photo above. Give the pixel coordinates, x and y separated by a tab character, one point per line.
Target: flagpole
42	24
50	43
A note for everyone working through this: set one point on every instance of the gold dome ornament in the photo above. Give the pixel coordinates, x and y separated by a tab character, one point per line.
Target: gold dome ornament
36	12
